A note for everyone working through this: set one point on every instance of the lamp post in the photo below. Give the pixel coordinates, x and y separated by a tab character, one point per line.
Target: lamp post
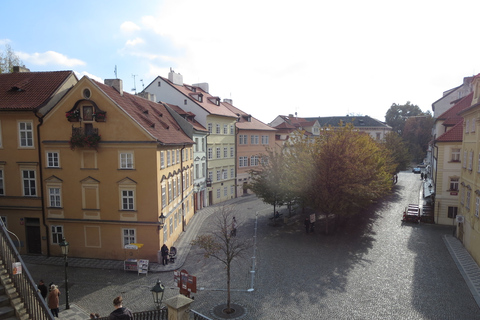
64	246
161	220
157	292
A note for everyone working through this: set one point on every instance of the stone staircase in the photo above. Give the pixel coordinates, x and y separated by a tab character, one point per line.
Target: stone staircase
11	306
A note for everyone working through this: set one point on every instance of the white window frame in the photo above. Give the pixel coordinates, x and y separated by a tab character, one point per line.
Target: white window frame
210	128
129	235
218	193
128	199
454	181
470	160
55	197
224	174
467	201
164	196
217	128
477	206
25	134
162	160
225	129
56	233
225	152
455	155
232	152
219	175
29	181
232	131
126	160
210	153
53	159
219	153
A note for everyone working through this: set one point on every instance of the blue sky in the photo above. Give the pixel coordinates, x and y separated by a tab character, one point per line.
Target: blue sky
316	58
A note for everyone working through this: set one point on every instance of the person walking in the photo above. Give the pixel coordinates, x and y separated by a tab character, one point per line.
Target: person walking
164	251
54	300
42	288
120	312
307	225
233	233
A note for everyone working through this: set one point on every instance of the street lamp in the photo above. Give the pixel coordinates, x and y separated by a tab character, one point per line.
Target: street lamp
161	220
64	246
157	292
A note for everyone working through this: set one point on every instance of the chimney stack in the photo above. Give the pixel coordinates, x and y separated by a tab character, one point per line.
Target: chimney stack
17	69
115	83
229	101
175	78
203	86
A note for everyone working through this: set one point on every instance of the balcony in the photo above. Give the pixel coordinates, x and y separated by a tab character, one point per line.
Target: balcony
87	137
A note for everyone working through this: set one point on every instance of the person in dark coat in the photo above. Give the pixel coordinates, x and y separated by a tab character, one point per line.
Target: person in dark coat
43	289
307	225
164	251
120	312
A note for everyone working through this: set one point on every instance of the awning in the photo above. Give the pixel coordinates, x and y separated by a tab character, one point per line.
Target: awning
134	246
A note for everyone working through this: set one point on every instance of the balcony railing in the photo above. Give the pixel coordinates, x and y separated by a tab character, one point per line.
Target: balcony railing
87	137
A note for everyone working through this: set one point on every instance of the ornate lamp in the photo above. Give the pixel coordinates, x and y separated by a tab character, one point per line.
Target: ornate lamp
157	293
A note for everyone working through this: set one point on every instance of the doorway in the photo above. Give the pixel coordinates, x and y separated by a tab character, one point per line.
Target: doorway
33	236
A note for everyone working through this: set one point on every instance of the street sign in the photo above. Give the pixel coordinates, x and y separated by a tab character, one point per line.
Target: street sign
187	283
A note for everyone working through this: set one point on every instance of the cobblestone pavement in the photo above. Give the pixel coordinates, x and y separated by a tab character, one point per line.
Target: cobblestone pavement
374	268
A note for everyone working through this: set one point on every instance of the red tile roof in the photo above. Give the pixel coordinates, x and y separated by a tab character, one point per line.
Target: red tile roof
243	123
151	116
455	134
29	90
451	116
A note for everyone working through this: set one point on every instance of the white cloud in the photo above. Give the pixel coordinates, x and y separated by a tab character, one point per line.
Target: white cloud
129	27
50	57
4	41
134	42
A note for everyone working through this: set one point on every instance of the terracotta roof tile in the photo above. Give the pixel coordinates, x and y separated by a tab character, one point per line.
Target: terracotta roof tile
455	134
451	116
243	123
152	116
29	90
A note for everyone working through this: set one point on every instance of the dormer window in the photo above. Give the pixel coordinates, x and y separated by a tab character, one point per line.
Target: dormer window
193	89
197	96
214	100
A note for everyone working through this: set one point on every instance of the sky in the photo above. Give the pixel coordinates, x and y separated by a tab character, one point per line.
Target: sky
313	58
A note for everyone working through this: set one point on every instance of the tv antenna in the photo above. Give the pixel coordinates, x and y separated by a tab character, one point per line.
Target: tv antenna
115	71
143	86
134	84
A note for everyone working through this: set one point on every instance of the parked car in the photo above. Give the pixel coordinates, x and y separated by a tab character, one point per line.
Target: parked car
416	170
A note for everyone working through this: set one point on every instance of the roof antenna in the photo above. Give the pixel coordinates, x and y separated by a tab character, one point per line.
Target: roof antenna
134	83
143	86
115	71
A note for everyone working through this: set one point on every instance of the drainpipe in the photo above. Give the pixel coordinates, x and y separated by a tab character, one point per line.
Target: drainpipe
183	200
435	182
40	164
236	160
207	193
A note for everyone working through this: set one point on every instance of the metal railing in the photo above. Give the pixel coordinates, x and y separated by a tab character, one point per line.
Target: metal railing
34	303
198	315
160	314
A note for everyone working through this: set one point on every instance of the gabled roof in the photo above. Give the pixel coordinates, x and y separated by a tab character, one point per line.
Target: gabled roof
298	122
451	116
209	103
455	134
246	121
357	121
151	116
29	90
188	116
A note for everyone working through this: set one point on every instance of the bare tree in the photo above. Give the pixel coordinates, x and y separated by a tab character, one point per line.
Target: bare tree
222	244
8	59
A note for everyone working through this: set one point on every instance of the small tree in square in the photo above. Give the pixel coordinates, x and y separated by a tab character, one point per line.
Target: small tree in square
222	245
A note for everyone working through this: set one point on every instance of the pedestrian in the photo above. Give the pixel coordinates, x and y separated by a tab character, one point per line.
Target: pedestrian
120	312
164	251
233	233
312	225
421	176
54	300
307	225
43	289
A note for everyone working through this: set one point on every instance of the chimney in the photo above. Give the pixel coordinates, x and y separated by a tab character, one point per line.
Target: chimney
115	83
203	86
229	101
175	78
148	96
17	69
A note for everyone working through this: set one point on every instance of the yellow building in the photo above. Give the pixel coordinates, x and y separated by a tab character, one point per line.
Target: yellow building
469	231
114	163
25	97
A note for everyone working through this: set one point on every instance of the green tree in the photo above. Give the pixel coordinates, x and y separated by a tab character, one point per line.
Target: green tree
398	151
398	114
8	59
219	244
417	133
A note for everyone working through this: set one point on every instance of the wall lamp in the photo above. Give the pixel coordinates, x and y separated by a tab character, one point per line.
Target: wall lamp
161	220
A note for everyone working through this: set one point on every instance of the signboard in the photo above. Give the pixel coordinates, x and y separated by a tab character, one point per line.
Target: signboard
17	268
312	218
460	219
455	193
186	282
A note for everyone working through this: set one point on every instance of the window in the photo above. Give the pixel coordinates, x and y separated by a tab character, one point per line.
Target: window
242	139
29	185
170	198
196	144
210	153
472	128
219	175
218	153
203	170
165	234
254	139
203	144
466	125
173	157
232	173
225	152
224	174
464	159
452	212
126	160
170	224
178	156
467	201
470	160
53	160
25	131
218	193
225	191
129	236
162	159
225	129
168	159
243	161
231	129
210	175
477	206
265	139
197	171
453	184
2	185
478	169
232	189
164	196
217	127
159	83
127	200
54	197
254	161
210	128
57	234
456	155
232	152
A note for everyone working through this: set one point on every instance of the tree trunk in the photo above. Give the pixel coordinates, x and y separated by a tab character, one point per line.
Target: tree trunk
228	310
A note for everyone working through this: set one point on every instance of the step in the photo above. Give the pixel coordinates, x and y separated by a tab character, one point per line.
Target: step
4	300
6	312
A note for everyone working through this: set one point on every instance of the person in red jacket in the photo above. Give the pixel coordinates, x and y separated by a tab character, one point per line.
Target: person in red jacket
120	312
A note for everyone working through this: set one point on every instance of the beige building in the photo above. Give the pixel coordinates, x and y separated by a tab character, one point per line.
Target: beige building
114	163
25	98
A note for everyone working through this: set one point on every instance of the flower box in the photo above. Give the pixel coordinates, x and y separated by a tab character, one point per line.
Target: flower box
73	116
84	141
100	116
